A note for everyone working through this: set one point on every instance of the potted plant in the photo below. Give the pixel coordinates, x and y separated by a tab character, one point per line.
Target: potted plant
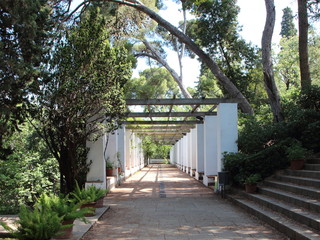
251	182
109	168
296	154
39	223
65	208
88	197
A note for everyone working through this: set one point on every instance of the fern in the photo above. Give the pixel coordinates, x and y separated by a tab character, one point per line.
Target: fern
36	224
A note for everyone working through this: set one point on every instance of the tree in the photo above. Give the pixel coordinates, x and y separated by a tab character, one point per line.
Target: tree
303	45
152	83
225	82
270	85
84	99
153	53
287	65
25	31
215	28
287	26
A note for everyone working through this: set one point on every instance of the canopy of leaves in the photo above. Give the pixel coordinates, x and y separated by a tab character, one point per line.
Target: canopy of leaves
152	83
287	26
215	28
25	31
85	89
28	171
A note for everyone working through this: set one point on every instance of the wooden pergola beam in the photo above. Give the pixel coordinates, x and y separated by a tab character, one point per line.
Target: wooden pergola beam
170	114
183	101
161	122
156	127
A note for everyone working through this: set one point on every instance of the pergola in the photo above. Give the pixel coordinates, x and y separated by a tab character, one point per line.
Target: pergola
199	130
169	126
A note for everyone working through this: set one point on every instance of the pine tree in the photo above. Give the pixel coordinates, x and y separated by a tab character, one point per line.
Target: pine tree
287	26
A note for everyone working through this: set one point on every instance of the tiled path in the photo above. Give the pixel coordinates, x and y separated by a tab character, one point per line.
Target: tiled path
161	202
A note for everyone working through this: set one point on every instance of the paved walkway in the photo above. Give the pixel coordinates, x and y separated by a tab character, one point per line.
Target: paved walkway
162	203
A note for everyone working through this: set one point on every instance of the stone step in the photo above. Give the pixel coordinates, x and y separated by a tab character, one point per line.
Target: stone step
313	160
294	188
309	182
312	167
291	211
310	204
302	173
292	229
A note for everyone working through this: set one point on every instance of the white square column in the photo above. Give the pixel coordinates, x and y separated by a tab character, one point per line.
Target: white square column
122	147
227	130
200	151
193	147
97	173
210	148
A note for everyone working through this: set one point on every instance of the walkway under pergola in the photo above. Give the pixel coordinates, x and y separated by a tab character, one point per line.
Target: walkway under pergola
199	130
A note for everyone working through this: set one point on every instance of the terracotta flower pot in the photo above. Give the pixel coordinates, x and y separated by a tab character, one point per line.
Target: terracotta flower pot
251	188
99	203
92	205
297	164
66	232
109	171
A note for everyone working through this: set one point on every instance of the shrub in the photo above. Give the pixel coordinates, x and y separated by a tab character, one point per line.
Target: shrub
264	162
65	208
39	223
91	194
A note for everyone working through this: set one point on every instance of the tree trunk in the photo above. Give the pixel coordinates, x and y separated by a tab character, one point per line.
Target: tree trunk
303	44
225	82
268	77
173	73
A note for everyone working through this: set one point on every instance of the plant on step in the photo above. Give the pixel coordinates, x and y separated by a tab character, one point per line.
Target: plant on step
253	179
91	194
68	209
39	223
109	165
296	151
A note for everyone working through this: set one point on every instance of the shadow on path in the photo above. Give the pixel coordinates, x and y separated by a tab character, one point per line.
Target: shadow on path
161	202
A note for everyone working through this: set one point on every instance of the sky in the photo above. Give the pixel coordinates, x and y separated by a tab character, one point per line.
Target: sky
252	19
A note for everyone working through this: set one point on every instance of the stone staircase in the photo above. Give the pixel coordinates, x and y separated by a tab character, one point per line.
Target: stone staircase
289	201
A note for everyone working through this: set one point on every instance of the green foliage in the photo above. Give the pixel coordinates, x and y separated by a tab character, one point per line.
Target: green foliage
296	151
26	29
28	172
215	28
264	162
109	165
64	207
266	146
152	83
91	194
153	149
287	25
85	97
39	223
253	179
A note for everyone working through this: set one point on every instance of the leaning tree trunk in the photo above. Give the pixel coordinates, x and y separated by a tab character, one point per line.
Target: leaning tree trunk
155	55
303	45
225	82
268	77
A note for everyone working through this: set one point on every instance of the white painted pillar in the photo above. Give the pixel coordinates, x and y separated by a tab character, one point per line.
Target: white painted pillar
227	130
194	151
128	153
97	173
122	148
210	148
200	151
